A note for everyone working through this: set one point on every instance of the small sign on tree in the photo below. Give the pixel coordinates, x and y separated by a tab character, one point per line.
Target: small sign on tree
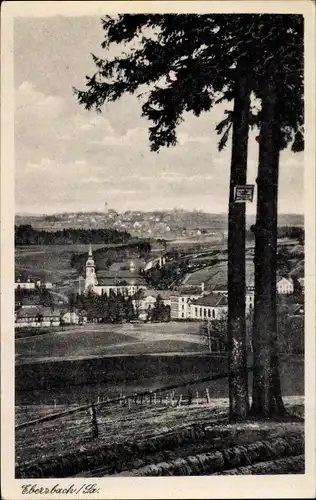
243	193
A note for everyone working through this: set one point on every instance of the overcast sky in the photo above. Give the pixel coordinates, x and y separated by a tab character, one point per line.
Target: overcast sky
69	159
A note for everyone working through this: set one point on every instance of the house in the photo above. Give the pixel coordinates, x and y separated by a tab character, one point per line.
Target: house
73	317
285	286
250	295
37	317
25	284
180	303
70	318
148	301
47	285
209	307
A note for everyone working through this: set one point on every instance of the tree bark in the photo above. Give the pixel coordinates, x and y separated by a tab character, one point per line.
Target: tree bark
237	348
266	395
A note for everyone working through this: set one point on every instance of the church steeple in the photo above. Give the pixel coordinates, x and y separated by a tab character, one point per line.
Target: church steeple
91	278
90	261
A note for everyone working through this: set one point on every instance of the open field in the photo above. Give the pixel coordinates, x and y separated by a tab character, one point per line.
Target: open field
72	365
215	275
49	262
99	340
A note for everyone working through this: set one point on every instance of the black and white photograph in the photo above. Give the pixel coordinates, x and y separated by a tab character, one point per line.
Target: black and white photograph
162	278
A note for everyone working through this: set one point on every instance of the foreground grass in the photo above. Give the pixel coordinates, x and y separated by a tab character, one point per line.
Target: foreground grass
118	424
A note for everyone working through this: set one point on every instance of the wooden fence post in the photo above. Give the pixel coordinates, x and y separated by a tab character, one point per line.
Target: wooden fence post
208	396
94	422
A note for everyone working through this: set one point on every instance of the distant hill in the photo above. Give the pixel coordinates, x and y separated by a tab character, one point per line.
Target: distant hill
175	220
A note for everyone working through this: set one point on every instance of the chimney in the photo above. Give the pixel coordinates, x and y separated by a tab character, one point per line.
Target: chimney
202	287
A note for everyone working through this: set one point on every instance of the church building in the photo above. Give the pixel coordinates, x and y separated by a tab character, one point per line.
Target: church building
108	282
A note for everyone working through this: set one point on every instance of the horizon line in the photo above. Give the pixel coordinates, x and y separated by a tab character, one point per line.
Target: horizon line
30	214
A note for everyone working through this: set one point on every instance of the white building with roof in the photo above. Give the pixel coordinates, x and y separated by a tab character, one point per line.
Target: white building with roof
285	286
180	303
210	307
24	284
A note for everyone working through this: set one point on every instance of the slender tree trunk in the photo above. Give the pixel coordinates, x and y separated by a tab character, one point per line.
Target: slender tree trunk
266	395
237	348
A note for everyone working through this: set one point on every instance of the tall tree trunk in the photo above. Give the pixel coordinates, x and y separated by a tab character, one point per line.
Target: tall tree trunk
237	348
266	395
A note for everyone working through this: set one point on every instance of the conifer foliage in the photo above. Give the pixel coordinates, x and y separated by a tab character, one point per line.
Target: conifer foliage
189	63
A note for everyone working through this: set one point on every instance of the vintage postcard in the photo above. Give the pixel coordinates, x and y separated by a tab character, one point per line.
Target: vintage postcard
158	249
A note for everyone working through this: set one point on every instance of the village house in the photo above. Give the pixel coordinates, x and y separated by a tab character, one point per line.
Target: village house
25	284
37	317
285	286
250	296
180	302
48	285
209	307
148	300
74	318
30	283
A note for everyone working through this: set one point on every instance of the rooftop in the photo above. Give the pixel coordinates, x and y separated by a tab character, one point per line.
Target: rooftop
164	294
122	281
31	312
192	290
211	300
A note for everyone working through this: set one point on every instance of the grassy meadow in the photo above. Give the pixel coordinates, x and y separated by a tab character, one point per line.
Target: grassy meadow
48	262
215	274
90	340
